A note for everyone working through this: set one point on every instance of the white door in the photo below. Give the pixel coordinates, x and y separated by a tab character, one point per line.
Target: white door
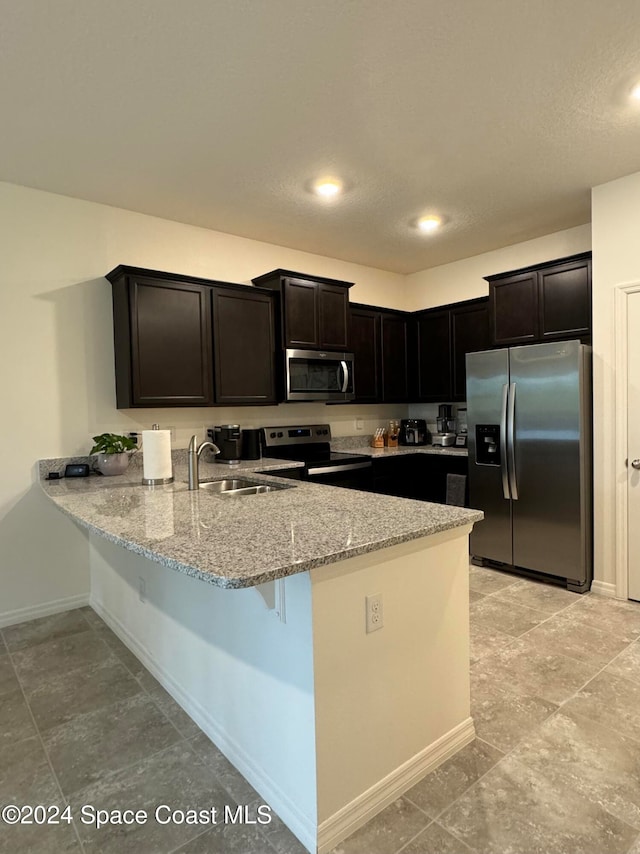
633	446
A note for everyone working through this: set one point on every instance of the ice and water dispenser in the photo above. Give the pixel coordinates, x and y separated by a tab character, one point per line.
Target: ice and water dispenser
488	444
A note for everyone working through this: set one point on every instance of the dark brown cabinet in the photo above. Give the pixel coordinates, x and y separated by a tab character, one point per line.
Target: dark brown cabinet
314	310
422	477
162	339
433	355
172	333
470	333
379	341
365	346
564	297
542	303
244	346
394	340
443	337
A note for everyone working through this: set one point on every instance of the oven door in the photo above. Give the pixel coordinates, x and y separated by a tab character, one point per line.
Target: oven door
350	476
319	375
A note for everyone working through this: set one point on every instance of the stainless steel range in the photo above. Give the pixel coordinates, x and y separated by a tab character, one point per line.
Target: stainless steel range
311	444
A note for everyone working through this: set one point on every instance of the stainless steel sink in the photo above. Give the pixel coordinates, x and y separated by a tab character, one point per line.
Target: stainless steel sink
241	486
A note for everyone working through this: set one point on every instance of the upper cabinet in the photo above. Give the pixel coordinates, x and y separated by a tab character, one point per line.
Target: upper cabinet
365	345
244	346
443	337
166	328
162	338
379	341
470	333
395	357
314	310
542	303
432	347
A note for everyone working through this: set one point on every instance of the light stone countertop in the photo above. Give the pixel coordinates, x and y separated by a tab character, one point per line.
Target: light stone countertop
235	541
402	450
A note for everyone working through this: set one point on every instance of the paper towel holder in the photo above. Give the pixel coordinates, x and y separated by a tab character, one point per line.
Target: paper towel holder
156	481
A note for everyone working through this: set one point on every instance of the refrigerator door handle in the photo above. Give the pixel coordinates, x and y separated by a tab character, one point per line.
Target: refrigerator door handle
511	442
503	442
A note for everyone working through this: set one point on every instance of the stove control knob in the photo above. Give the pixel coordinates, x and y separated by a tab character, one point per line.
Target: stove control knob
280	435
272	435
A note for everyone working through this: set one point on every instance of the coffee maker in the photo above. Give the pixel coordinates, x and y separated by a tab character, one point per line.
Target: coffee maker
227	438
413	431
446	426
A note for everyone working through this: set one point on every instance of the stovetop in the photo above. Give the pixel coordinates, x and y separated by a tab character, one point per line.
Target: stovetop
308	443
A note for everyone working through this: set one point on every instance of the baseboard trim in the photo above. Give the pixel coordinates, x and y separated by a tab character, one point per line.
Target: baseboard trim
354	815
297	822
57	606
603	588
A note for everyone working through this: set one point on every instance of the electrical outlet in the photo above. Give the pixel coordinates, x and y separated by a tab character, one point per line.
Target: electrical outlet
359	423
142	589
374	612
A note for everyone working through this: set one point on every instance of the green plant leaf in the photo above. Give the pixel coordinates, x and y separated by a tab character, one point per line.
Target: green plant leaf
112	443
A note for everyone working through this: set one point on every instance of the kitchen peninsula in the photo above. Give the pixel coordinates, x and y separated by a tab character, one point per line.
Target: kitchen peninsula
252	612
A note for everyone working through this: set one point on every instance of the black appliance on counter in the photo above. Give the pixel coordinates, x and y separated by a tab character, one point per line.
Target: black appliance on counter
413	431
227	438
251	443
310	444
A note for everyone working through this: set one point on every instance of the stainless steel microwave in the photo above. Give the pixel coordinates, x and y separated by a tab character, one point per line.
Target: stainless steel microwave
318	375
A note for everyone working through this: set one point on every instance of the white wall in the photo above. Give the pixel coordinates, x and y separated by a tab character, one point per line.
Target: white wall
244	676
462	280
56	370
616	260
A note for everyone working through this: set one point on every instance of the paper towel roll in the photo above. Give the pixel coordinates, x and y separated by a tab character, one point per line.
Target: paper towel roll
156	455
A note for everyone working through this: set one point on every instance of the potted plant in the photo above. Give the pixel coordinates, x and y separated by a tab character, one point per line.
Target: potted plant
112	453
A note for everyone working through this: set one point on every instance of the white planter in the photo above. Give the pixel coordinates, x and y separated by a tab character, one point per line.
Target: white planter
110	464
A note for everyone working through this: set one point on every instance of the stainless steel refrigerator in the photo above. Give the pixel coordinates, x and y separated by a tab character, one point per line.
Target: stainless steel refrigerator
529	437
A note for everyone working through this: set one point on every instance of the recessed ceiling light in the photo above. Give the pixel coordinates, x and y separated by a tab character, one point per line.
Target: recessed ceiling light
428	224
635	92
328	187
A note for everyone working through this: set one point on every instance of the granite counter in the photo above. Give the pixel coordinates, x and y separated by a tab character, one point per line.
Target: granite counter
245	541
282	673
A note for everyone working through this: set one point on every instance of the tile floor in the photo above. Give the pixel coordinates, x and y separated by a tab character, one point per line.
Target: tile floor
555	767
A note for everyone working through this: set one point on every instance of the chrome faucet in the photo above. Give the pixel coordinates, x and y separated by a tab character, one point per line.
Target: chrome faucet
193	460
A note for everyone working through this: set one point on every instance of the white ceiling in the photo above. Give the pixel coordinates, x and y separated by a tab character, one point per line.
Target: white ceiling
498	114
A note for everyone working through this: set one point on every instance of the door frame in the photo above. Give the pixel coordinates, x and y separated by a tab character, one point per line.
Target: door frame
622	293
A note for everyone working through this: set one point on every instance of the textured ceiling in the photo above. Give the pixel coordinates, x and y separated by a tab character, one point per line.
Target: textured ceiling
498	114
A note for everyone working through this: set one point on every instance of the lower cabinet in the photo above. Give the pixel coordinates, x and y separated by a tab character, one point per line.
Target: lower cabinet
422	477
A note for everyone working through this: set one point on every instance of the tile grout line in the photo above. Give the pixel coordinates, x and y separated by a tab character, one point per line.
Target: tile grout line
46	756
580	598
559	710
433	821
552	713
156	703
143	691
470	786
